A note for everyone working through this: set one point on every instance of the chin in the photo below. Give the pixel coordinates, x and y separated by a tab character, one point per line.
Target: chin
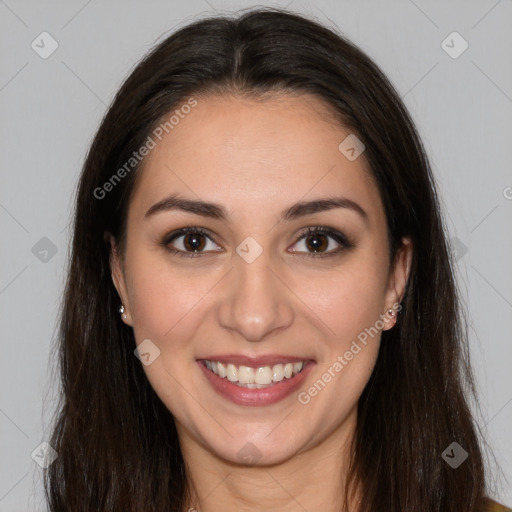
250	449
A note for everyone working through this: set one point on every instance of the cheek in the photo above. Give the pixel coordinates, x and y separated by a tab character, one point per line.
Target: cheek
164	299
168	306
350	303
347	300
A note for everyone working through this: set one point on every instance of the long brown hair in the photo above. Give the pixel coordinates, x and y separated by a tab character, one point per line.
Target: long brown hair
117	444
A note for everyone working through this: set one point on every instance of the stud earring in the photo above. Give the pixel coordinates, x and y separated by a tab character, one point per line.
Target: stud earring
121	310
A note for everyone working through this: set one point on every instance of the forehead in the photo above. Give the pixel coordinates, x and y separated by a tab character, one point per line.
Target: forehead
254	156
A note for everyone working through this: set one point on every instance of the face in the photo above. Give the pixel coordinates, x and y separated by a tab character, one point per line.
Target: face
287	291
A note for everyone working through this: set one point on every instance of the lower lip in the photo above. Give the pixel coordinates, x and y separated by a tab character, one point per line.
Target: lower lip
256	397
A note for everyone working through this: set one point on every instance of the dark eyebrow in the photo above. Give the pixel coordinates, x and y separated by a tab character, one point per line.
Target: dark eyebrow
216	211
321	205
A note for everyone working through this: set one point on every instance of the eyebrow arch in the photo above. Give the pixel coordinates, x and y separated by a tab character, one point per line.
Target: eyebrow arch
216	211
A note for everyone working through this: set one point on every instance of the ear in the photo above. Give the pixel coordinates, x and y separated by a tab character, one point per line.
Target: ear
398	277
117	273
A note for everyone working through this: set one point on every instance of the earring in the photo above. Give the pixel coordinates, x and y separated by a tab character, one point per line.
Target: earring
121	310
391	312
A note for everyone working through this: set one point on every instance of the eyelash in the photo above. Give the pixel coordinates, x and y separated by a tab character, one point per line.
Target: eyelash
340	238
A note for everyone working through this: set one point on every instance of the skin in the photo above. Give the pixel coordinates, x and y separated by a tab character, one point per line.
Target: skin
257	158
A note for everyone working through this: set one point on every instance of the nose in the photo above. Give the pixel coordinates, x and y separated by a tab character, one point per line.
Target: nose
256	302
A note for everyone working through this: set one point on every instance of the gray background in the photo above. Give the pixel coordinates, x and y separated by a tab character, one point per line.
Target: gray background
50	109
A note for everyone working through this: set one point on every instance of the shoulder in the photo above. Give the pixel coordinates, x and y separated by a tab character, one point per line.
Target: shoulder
492	506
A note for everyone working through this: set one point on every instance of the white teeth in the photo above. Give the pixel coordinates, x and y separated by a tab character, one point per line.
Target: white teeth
251	386
297	367
253	378
245	375
263	375
231	372
221	368
278	373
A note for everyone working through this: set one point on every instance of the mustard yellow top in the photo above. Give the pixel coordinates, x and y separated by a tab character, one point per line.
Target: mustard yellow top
492	506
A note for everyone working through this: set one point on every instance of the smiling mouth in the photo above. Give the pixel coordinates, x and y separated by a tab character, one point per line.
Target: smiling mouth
254	378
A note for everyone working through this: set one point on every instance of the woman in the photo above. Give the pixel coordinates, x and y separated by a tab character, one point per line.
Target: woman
260	311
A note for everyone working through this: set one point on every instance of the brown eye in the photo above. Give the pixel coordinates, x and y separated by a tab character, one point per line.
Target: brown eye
194	242
317	242
320	241
190	242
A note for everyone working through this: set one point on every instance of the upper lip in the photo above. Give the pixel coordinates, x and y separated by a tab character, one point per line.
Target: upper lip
255	362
